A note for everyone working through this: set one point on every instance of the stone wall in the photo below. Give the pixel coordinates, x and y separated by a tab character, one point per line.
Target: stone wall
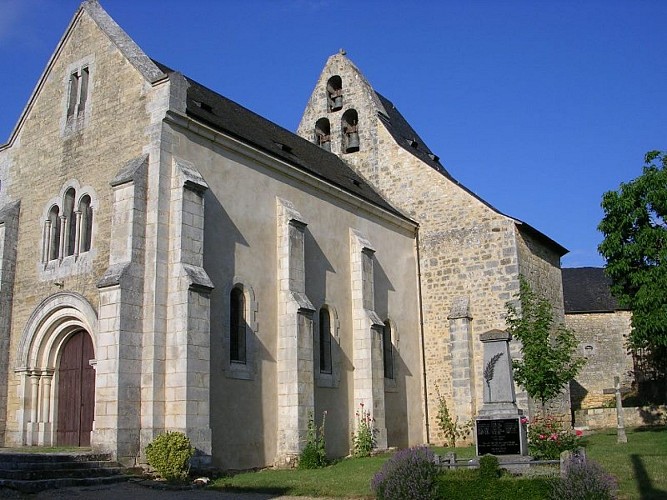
602	341
48	154
605	418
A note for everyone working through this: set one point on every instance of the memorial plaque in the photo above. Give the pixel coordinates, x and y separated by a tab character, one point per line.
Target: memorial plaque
499	436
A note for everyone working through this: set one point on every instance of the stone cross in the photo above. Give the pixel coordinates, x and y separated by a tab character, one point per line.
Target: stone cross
620	426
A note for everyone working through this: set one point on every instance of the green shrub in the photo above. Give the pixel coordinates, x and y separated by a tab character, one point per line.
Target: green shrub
488	467
547	439
314	454
168	454
363	438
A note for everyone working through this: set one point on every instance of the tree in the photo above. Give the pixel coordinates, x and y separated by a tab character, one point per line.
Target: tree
635	248
548	362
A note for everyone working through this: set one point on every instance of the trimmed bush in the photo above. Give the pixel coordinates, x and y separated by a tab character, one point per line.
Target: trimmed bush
584	480
169	455
410	473
488	467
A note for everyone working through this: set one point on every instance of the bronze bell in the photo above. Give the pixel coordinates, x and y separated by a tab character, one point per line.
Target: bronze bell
352	142
336	98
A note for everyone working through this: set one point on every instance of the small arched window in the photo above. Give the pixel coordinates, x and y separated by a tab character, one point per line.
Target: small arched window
70	221
350	139
237	326
86	224
325	341
323	133
53	233
335	93
387	351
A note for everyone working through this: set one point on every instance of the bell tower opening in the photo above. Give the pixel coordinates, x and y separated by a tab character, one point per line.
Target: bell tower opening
323	133
335	93
350	139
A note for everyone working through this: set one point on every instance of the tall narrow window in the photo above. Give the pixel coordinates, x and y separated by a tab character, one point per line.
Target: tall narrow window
73	94
86	224
325	341
78	92
70	221
237	326
387	351
54	233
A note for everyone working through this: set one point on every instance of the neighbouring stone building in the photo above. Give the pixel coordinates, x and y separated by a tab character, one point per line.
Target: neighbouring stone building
602	328
170	260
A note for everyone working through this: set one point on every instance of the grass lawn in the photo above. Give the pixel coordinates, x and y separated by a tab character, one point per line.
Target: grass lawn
640	467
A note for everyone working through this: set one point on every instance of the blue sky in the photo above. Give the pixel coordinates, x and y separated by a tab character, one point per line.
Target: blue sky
537	106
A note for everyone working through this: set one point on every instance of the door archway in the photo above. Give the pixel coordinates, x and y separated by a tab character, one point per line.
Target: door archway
76	391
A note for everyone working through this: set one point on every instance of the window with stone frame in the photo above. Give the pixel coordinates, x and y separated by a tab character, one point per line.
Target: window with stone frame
78	92
68	226
325	340
237	326
387	351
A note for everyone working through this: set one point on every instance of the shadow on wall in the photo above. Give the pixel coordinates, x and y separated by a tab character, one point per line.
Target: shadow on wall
577	394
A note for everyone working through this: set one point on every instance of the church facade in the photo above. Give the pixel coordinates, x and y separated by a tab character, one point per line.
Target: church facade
170	260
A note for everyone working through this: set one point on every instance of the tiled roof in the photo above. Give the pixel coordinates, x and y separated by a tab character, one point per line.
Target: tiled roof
206	106
587	289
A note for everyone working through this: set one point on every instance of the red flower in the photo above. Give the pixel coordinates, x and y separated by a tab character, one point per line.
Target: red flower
579	433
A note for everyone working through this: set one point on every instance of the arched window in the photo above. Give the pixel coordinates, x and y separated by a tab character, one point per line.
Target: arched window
85	224
335	93
350	139
53	233
325	341
323	133
387	351
70	221
237	326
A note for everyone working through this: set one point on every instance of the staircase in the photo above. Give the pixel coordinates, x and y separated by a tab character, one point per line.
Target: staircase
33	472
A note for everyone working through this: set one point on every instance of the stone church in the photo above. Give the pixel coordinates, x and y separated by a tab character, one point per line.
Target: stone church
170	260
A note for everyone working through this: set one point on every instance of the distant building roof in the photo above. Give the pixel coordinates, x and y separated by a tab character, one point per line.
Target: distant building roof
587	290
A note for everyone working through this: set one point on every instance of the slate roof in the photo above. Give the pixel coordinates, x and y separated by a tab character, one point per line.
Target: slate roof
406	137
587	290
207	106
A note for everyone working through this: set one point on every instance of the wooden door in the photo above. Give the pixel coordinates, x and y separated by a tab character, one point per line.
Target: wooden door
76	391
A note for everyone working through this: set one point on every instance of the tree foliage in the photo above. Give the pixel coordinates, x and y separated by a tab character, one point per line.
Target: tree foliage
548	362
635	248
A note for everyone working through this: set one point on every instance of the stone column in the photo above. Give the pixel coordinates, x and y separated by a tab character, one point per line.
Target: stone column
461	348
367	333
296	396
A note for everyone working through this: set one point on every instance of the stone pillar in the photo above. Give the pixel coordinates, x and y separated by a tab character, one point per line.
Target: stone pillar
367	334
9	227
461	348
187	347
119	335
296	396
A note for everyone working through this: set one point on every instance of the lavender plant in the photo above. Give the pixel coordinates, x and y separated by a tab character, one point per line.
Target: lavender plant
410	473
584	480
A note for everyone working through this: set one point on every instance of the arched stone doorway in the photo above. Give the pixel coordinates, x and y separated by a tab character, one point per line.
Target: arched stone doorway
76	391
56	364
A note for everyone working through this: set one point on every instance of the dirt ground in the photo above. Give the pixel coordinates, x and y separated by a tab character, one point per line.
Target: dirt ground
133	490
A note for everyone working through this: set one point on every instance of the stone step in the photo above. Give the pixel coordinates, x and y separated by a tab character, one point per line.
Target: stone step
9	466
63	472
26	486
23	457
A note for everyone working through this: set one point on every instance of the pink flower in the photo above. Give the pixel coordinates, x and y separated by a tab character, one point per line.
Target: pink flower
542	436
554	437
579	433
